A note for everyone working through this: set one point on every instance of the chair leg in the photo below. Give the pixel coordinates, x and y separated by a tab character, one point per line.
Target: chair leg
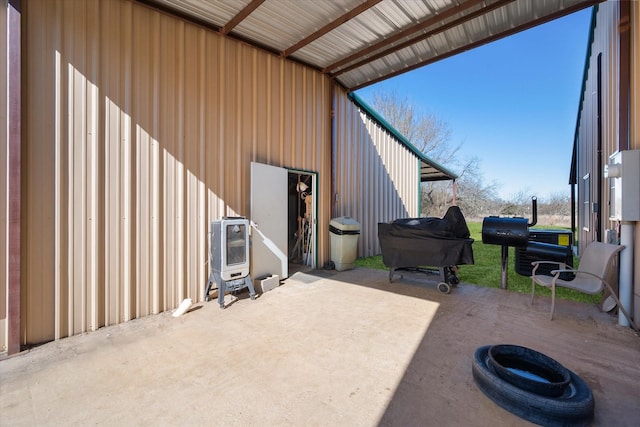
553	300
533	289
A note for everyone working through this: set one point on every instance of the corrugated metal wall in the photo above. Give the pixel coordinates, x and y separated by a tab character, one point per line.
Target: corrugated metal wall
635	78
605	41
139	130
634	141
376	178
4	182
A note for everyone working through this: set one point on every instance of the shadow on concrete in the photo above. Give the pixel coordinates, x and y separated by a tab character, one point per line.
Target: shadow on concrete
438	380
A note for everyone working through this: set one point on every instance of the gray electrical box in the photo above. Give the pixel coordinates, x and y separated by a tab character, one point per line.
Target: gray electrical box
623	172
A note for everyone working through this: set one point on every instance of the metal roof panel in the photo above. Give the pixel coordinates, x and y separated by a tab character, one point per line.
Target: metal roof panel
280	24
360	42
216	13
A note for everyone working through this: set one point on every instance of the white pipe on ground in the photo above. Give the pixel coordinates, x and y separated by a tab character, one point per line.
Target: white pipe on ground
182	309
626	271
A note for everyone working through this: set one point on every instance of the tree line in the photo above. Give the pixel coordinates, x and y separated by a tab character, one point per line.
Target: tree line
475	196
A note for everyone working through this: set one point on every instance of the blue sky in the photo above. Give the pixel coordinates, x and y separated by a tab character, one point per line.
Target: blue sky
512	103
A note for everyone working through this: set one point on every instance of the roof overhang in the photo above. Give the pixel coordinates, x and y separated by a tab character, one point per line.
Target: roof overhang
361	42
573	178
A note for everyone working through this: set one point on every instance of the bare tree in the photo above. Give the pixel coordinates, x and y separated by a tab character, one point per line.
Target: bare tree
477	198
426	131
557	204
432	136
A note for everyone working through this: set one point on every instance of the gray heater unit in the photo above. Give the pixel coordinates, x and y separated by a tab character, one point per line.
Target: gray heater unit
229	257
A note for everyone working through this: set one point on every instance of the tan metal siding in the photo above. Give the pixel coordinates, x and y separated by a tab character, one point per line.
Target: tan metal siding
605	41
4	181
376	178
634	140
135	140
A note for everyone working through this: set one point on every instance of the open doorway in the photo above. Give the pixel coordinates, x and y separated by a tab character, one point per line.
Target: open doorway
284	220
301	220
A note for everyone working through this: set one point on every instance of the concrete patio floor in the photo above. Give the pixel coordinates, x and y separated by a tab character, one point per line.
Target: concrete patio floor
323	349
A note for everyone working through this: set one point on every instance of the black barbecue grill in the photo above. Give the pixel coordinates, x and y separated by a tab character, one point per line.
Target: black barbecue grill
514	231
545	245
418	243
508	231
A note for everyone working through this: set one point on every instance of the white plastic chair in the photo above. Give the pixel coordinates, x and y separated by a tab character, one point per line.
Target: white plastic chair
589	277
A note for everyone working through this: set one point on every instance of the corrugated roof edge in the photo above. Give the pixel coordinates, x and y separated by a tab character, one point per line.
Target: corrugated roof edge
378	118
573	179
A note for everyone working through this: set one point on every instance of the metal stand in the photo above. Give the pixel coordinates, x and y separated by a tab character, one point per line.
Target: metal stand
504	265
448	277
228	285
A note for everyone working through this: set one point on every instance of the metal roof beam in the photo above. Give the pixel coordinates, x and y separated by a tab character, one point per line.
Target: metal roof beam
484	41
411	30
424	36
240	16
331	26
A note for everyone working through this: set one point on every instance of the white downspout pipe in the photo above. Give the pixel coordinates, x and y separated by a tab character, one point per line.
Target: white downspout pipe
626	271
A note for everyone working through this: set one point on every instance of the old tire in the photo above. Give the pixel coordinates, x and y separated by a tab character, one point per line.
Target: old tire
573	408
504	358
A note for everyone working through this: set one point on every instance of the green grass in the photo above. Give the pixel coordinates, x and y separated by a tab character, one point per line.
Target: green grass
486	270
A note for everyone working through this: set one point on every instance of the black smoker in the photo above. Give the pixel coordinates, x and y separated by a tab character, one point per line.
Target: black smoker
506	231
